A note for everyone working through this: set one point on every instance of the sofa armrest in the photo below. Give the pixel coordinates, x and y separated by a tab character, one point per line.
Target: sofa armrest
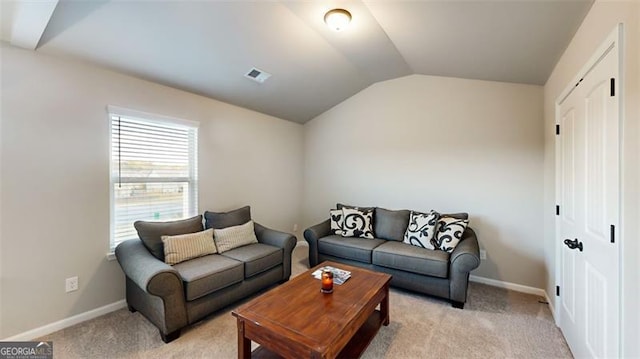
283	240
312	234
146	271
466	256
464	259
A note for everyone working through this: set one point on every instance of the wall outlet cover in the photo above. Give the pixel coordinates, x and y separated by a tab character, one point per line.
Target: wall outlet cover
71	284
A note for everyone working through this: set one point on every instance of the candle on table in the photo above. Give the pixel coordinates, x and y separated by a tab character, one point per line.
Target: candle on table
327	281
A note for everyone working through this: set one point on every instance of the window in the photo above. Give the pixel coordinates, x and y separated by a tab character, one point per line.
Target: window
154	173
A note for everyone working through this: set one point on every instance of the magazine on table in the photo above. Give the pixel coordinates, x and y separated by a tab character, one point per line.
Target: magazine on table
339	275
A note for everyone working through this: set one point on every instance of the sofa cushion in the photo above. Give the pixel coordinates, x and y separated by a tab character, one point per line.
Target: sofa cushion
357	249
421	231
402	256
390	225
335	215
183	247
357	223
459	215
257	257
449	233
234	237
150	233
219	220
341	206
208	274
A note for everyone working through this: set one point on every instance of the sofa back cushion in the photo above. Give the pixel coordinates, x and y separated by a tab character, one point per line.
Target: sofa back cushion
390	225
460	215
220	220
342	205
151	232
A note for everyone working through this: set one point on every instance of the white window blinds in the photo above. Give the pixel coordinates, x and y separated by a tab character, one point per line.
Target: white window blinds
153	171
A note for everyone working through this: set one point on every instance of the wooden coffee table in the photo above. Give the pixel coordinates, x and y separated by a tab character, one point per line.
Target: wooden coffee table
296	320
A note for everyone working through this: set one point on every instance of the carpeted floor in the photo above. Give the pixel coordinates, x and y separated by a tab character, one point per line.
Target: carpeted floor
495	323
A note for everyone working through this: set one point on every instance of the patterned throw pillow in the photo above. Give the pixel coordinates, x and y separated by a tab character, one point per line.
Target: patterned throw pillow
336	221
449	233
422	229
183	247
233	237
357	222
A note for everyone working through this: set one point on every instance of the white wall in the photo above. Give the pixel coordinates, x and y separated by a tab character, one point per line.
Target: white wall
597	25
424	142
55	178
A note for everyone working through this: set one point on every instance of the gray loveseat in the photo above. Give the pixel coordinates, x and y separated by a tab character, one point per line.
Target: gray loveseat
432	272
172	297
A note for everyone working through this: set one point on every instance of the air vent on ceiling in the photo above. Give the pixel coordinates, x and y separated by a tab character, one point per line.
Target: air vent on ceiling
257	75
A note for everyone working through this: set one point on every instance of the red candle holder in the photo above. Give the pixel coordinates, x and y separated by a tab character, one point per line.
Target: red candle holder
327	282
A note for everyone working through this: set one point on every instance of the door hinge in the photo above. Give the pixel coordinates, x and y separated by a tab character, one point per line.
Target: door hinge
557	210
613	234
557	129
613	86
557	291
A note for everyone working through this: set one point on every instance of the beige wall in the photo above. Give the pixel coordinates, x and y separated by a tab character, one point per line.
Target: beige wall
598	24
55	178
423	142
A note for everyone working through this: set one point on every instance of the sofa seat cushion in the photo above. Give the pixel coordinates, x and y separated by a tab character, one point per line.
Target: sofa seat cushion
257	257
357	249
402	256
208	274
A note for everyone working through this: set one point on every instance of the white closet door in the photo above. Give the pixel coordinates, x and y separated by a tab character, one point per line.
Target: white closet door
589	201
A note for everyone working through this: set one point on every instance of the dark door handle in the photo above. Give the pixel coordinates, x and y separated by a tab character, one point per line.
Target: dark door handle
573	244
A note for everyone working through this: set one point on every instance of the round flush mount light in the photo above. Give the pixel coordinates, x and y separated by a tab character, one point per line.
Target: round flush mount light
337	19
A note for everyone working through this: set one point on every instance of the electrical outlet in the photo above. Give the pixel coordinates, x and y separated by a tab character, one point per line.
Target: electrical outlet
71	284
483	254
295	227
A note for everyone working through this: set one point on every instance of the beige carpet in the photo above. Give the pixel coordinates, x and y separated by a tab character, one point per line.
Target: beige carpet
495	323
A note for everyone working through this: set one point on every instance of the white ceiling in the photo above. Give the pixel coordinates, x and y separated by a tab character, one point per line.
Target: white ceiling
207	46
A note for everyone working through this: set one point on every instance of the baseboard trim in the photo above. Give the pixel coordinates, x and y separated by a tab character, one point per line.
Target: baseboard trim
508	285
551	308
67	322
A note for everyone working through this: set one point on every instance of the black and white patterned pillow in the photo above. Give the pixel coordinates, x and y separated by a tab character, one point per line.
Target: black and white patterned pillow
336	221
449	233
357	222
422	229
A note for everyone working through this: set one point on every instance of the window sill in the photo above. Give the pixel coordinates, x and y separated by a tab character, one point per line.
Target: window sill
111	256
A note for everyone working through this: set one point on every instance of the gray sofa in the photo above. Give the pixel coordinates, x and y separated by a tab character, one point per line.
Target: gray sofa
172	297
431	272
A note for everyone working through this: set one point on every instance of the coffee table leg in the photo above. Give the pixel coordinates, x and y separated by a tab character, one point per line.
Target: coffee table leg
244	344
384	306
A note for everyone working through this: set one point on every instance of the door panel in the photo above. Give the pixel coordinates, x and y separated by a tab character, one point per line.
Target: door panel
569	289
568	166
595	121
596	320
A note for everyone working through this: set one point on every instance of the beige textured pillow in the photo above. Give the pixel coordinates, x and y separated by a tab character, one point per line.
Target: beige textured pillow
183	247
234	237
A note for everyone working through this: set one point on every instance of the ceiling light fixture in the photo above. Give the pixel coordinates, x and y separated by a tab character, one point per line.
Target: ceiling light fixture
337	19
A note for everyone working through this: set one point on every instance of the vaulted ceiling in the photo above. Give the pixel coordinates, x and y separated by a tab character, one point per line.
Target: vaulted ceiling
207	46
